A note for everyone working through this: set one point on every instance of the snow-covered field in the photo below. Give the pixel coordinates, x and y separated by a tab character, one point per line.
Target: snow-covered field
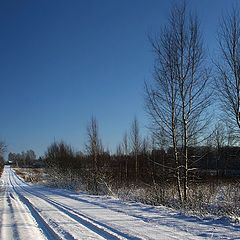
29	211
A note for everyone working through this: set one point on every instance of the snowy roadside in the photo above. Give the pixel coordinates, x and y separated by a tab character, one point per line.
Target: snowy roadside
210	227
212	211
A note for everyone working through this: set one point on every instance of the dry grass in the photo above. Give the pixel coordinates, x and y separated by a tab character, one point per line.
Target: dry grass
34	175
221	199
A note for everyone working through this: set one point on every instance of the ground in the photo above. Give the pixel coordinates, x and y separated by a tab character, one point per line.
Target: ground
28	210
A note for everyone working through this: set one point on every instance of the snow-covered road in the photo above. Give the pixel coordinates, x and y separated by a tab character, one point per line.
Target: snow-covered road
29	211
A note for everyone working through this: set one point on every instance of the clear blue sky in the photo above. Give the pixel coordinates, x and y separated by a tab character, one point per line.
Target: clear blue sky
62	61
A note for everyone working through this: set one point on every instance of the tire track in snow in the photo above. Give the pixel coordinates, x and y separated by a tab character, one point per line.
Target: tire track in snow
166	234
109	232
84	222
116	234
101	229
15	234
17	221
91	222
48	232
80	215
8	224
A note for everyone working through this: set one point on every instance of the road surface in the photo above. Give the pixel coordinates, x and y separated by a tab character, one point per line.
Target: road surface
30	211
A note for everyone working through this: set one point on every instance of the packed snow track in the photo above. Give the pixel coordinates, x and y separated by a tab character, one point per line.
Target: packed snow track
28	211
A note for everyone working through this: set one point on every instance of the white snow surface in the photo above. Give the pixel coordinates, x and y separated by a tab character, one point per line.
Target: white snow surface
31	211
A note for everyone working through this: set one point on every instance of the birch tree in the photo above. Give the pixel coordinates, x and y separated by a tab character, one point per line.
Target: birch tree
228	67
135	144
177	101
94	146
126	152
94	149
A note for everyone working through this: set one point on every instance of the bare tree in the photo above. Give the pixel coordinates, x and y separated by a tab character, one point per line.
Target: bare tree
59	157
119	150
218	137
231	135
135	144
94	145
145	146
2	148
126	152
178	100
228	80
94	149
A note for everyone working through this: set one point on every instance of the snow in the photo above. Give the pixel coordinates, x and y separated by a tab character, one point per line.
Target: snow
28	210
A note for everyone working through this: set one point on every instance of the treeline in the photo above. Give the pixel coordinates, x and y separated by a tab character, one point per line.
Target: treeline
96	169
137	161
24	159
153	166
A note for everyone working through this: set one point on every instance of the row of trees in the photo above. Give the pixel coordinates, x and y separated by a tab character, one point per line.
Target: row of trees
23	159
137	161
97	166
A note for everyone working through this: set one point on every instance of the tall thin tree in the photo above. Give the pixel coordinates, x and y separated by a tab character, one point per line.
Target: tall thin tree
94	149
126	152
178	100
135	144
228	67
